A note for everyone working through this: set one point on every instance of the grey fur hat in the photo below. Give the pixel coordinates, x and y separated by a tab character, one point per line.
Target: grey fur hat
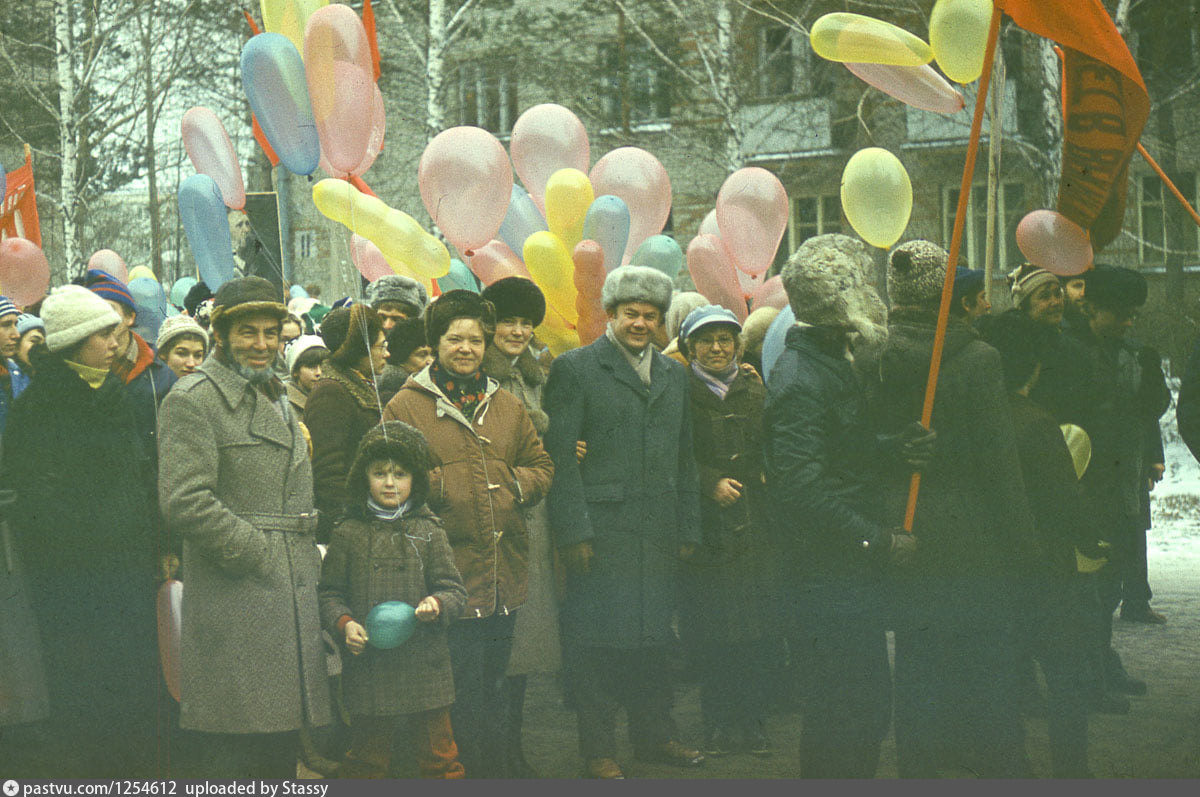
827	280
916	272
397	288
636	284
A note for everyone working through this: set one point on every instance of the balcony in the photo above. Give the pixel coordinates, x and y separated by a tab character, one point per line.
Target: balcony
926	128
786	129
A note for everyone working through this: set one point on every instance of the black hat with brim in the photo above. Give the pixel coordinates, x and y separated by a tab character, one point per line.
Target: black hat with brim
246	296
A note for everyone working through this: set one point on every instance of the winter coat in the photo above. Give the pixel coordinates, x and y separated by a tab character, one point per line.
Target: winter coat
536	646
147	383
370	561
236	485
727	587
23	695
297	398
487	470
13	382
635	496
83	527
341	408
973	524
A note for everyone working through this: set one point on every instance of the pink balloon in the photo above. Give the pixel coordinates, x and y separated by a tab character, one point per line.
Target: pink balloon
636	176
918	86
747	282
24	271
367	258
752	212
547	138
709	264
378	129
211	152
110	262
1051	241
770	294
495	261
588	258
466	183
338	70
709	226
169	607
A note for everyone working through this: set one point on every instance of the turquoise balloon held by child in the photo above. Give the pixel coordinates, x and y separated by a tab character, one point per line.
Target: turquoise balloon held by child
390	624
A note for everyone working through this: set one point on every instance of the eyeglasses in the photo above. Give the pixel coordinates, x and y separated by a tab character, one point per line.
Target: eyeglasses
709	342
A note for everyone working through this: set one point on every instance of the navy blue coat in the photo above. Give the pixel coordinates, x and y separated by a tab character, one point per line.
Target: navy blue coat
635	496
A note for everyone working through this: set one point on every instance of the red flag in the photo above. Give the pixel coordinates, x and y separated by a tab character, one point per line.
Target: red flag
259	135
18	212
368	20
1105	108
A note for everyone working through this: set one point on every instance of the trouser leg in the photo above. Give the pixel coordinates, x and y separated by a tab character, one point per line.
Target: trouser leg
591	676
648	697
370	753
431	738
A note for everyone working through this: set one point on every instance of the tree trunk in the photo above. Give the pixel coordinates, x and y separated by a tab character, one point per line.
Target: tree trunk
63	47
995	136
1053	121
147	30
435	69
724	67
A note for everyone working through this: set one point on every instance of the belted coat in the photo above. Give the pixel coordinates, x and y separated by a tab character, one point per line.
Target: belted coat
235	484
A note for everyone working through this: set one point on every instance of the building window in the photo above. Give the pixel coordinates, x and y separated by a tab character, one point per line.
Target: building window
1154	236
641	71
776	61
810	215
306	244
1010	210
487	96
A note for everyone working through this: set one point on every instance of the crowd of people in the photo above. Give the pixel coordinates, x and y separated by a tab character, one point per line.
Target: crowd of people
596	515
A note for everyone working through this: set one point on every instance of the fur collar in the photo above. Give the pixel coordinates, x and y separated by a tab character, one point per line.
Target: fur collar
499	366
359	388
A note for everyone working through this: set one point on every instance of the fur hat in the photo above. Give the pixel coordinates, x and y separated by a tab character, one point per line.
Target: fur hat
456	304
397	441
106	286
349	333
175	326
7	307
195	295
27	322
755	330
243	296
827	284
404	338
397	288
298	346
1025	279
515	297
1114	288
682	303
916	272
636	284
71	313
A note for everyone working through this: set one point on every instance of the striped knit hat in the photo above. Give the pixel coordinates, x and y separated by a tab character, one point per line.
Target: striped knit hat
7	307
106	286
26	322
1027	278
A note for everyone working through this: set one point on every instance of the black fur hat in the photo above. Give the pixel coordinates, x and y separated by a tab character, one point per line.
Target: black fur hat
403	339
457	304
1114	287
349	333
401	443
517	297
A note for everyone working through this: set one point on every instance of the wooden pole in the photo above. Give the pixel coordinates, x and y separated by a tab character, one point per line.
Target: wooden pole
1170	185
995	136
964	194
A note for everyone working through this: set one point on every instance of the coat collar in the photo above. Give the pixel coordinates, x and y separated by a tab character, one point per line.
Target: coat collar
421	380
615	362
362	391
266	422
499	365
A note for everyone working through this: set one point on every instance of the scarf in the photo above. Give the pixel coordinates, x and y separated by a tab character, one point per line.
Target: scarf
383	513
640	362
93	376
717	383
464	392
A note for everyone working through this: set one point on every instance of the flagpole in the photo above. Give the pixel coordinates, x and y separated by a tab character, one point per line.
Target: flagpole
964	194
1163	176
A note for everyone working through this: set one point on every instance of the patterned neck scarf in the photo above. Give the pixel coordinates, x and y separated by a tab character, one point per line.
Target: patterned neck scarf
464	392
717	383
384	513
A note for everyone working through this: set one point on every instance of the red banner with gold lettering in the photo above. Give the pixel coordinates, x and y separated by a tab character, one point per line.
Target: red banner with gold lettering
18	213
1104	110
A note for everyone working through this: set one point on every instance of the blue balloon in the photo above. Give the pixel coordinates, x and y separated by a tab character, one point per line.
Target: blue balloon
774	340
607	223
297	292
273	79
151	305
522	220
202	212
458	278
3	182
179	290
390	624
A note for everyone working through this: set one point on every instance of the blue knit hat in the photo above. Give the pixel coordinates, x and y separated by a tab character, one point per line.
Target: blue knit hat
706	316
7	307
26	322
106	286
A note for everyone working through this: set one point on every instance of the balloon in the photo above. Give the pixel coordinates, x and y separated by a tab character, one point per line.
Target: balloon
273	79
390	624
289	17
589	274
170	607
711	270
151	305
141	273
367	258
556	333
636	176
918	86
865	40
660	252
297	292
958	34
774	340
747	283
458	278
109	262
568	197
752	213
495	261
211	152
1080	446
521	220
770	294
466	184
710	226
1051	241
24	271
202	213
341	85
549	262
179	290
876	196
547	138
399	237
607	223
378	130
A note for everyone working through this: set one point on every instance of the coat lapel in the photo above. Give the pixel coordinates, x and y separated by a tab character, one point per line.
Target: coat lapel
660	375
615	362
266	422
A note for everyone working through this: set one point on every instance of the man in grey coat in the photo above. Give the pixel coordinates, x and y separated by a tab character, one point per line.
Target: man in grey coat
622	518
235	484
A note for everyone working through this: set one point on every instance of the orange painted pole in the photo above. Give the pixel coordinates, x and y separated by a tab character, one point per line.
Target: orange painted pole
964	194
1163	176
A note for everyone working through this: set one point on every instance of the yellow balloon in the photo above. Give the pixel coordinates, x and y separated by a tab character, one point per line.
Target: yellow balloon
856	39
289	17
549	263
555	333
877	196
1080	446
958	33
569	194
138	272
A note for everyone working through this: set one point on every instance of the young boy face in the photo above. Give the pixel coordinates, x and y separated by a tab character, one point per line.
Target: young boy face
389	483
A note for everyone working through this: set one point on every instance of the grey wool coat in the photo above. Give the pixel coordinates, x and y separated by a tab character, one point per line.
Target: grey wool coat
235	484
371	561
635	496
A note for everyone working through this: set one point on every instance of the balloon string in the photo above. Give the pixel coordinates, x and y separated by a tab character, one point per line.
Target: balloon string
964	194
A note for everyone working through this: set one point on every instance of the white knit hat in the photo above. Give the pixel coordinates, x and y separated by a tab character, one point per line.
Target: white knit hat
71	313
293	350
178	325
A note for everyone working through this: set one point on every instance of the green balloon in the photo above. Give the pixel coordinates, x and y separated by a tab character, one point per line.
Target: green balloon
659	252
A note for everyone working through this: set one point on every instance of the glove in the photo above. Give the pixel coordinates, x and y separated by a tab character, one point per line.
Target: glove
577	557
903	550
912	446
